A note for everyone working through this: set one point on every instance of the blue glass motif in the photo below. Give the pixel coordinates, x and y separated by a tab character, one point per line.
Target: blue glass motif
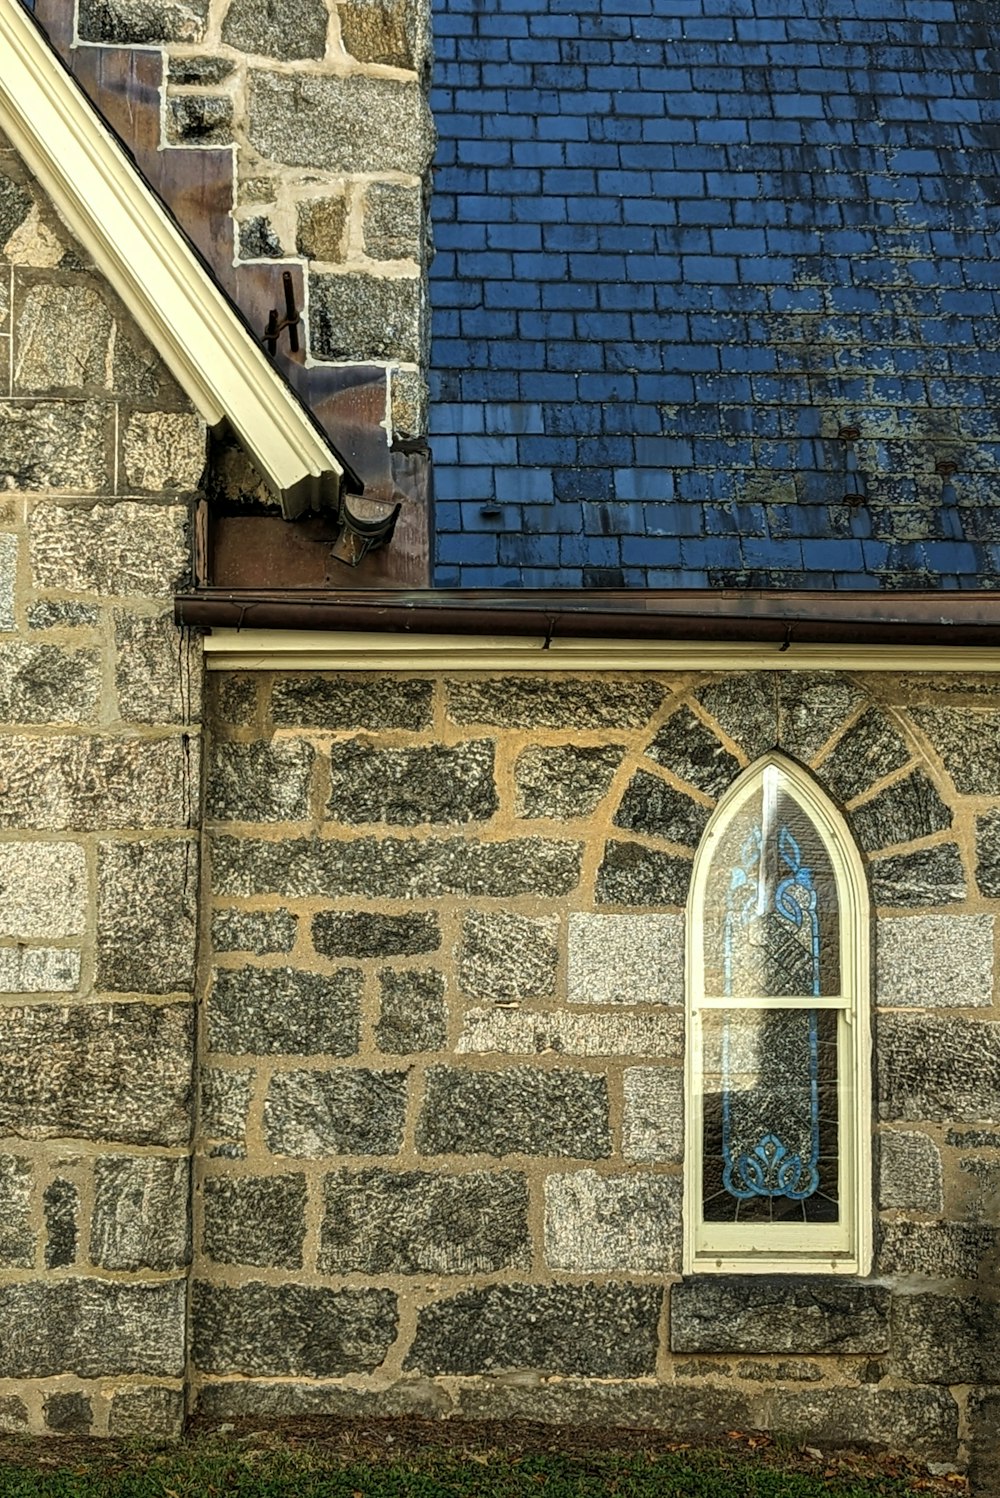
771	946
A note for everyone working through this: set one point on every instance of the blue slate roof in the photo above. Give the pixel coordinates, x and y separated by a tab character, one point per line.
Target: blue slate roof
686	250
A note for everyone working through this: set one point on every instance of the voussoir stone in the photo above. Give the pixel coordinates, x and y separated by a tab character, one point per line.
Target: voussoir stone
257	1220
565	780
933	1069
140	1216
657	809
870	749
399	868
414	1222
968	743
689	748
345	1111
598	1224
291	1329
900	813
811	707
746	707
119	1071
147	895
407	787
272	1011
930	876
93	1328
359	702
631	874
514	1111
260	782
778	1314
538	702
505	956
603	1331
352	123
363	933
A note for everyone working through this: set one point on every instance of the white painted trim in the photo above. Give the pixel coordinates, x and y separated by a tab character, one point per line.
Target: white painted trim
133	241
329	650
729	1249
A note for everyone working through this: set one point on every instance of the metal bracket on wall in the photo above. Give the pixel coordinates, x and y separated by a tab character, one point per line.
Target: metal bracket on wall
291	320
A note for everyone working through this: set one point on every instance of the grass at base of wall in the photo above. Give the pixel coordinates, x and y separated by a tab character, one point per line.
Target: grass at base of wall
408	1459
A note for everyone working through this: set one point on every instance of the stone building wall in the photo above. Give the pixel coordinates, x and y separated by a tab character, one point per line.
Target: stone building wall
100	773
319	106
441	1117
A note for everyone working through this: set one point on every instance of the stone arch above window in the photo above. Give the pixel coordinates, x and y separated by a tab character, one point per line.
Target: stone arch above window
778	1126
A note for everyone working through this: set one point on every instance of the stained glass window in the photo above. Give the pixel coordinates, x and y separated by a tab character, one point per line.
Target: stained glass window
776	922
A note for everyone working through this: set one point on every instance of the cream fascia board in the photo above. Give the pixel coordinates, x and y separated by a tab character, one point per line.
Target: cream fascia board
318	650
125	229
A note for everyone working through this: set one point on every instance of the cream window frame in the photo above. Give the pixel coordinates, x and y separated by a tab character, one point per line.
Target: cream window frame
733	1248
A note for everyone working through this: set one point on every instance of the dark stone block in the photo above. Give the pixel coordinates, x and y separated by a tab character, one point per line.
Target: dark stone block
932	876
919	1422
564	780
413	1222
68	1414
969	745
255	1220
601	1331
686	1413
140	22
291	1329
560	702
342	1112
408	787
17	1237
206	70
61	1203
270	1011
146	916
399	868
15	205
146	1413
984	1423
633	875
746	708
256	931
988	855
257	1400
811	707
358	702
870	749
235	698
946	1339
362	933
505	956
778	1314
362	317
901	813
937	1070
934	1250
94	1328
689	748
200	119
260	782
653	807
413	1017
516	1110
101	1071
141	1213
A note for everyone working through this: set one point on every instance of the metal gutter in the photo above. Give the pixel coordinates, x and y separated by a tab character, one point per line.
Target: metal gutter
925	618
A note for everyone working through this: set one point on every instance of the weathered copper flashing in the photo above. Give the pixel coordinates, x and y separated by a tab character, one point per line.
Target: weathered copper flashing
869	618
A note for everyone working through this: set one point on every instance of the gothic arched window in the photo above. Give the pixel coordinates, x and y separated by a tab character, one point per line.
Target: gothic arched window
779	1134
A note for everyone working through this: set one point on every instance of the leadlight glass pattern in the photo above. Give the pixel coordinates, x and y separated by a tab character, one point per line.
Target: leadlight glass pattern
770	1121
